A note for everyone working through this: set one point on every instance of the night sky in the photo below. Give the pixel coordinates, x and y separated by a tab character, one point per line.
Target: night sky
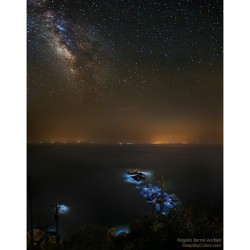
136	71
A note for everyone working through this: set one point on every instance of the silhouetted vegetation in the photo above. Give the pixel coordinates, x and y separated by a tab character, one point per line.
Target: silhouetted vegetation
148	232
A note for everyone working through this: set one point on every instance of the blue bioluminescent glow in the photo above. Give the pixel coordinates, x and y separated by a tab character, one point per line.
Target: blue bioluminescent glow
128	178
147	173
136	177
152	193
120	230
51	229
62	209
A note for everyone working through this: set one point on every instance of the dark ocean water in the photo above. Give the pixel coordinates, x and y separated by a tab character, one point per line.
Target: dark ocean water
88	178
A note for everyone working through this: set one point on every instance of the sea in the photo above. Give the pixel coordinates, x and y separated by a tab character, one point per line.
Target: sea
89	179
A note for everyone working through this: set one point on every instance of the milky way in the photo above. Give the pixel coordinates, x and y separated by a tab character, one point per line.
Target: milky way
73	49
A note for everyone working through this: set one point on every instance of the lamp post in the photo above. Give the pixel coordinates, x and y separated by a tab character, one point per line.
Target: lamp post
59	209
31	217
57	221
162	194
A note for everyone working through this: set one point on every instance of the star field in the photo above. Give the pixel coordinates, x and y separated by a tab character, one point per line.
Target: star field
147	63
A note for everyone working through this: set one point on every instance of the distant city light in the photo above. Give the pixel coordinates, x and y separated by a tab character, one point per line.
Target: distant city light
157	142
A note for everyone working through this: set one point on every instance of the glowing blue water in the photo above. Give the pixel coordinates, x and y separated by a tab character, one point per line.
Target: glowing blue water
153	194
122	229
51	229
62	209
